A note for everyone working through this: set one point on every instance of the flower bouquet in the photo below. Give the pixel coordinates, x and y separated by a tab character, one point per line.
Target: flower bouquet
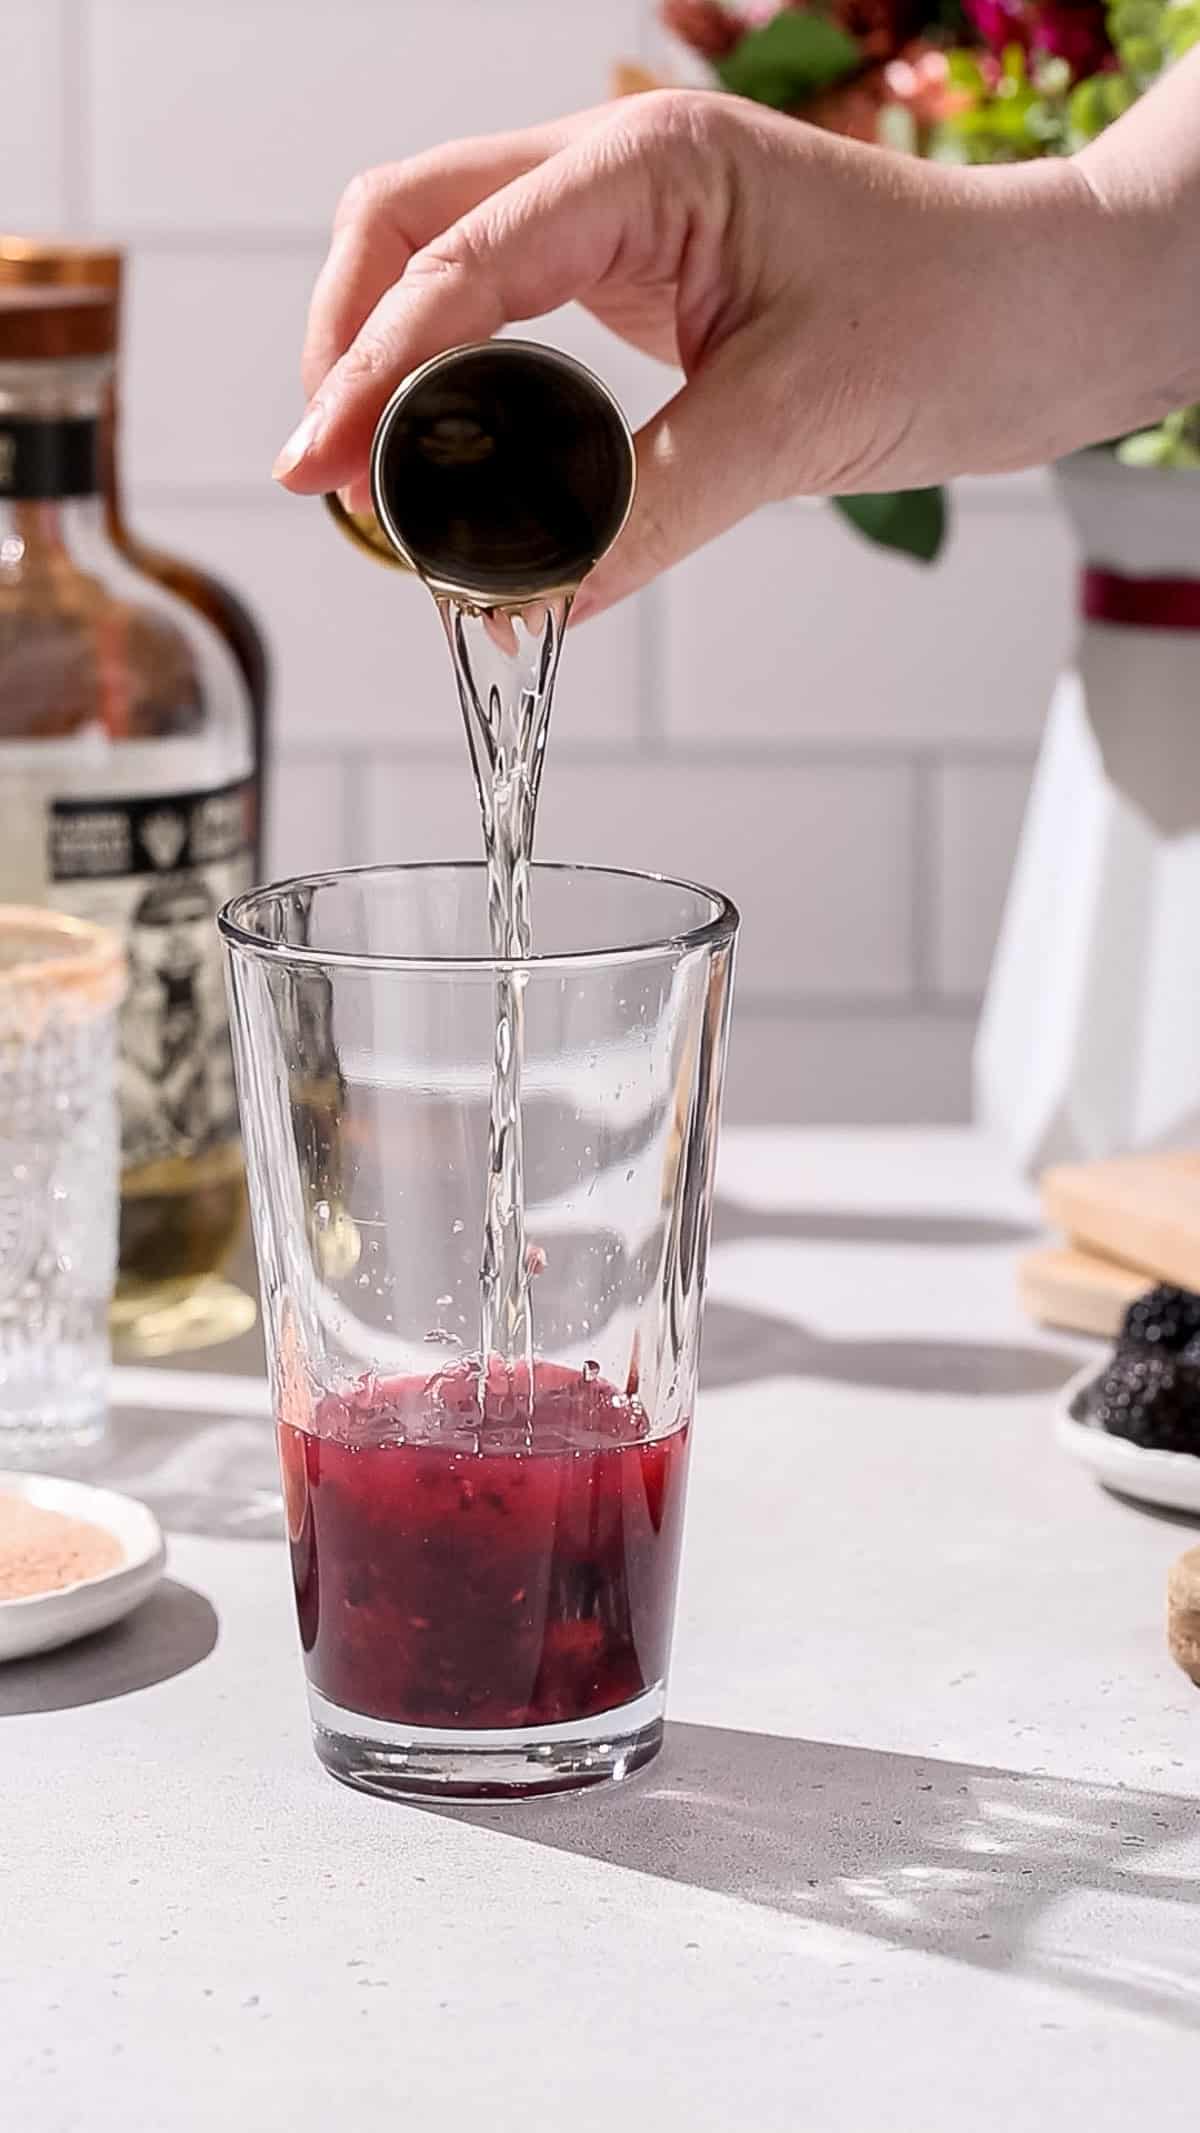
963	81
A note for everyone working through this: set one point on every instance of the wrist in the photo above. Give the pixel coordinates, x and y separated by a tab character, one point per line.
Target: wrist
1082	309
1146	234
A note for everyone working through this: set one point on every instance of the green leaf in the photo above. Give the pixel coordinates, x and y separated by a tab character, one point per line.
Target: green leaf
792	57
913	520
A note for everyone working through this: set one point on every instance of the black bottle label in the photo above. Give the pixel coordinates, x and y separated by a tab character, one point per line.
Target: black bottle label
157	869
41	460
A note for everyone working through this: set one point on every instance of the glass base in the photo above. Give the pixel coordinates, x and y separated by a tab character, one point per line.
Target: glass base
150	1319
424	1762
45	1440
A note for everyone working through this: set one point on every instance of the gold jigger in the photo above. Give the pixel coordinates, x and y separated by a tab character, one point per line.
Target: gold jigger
500	474
364	532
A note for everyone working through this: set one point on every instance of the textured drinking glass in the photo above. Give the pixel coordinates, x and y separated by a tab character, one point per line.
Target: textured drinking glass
60	985
485	1589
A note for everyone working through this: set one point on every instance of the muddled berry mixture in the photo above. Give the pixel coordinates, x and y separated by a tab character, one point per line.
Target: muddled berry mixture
467	1572
1150	1392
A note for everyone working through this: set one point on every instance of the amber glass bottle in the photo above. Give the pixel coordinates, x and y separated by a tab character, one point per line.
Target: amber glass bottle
127	794
27	262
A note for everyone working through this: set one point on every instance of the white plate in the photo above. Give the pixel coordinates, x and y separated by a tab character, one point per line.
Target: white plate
1169	1479
45	1620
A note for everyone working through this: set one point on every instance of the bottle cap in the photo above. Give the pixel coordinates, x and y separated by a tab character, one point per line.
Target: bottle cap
502	472
60	262
56	325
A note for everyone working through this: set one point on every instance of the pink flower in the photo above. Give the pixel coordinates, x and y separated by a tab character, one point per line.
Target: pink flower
922	85
705	25
1000	22
1077	34
1073	30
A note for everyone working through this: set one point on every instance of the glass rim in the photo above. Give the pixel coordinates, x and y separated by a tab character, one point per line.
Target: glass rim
712	932
51	953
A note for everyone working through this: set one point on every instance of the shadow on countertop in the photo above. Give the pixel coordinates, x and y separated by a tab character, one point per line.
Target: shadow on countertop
170	1632
740	1346
955	1859
733	1221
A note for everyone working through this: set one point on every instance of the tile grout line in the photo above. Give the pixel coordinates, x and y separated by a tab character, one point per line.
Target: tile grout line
353	808
651	629
73	114
629	749
926	883
855	1007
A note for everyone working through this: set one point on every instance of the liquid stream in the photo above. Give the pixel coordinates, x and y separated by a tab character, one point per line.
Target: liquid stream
505	662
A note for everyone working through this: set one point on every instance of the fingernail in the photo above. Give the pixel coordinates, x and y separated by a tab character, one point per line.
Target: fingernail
299	444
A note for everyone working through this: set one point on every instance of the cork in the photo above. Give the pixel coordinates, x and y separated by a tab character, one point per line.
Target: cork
1183	1613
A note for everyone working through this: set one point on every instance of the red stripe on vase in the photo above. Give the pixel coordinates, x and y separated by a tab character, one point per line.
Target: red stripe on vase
1140	603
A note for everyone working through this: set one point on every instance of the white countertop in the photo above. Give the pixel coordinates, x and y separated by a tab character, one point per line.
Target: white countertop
921	1856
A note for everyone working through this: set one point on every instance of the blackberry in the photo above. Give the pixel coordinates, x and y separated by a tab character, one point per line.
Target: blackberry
1152	1399
1166	1319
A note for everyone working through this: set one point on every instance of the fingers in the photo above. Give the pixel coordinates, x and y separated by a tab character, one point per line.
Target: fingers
701	468
387	214
549	236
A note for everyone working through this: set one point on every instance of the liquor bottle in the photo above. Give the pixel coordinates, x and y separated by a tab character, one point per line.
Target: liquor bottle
127	795
49	262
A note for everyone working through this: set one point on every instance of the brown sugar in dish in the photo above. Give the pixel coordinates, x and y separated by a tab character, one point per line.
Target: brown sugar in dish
44	1551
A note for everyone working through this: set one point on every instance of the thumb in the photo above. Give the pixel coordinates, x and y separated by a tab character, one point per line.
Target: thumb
702	465
540	242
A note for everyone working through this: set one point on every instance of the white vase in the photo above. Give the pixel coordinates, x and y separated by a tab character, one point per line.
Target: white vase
1089	1043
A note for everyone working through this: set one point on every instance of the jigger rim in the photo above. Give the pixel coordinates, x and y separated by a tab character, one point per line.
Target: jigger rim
506	346
234	922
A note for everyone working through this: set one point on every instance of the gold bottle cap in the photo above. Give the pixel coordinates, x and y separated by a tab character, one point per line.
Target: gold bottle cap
59	262
39	324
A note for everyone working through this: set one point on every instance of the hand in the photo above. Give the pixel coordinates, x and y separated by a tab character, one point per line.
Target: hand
846	320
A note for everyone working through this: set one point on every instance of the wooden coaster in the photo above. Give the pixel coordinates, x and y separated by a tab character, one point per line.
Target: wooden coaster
1183	1613
1141	1210
1077	1291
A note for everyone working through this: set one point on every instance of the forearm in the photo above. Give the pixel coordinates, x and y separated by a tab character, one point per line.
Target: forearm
1070	305
1144	175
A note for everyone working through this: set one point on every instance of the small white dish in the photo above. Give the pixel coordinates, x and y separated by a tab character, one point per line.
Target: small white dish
42	1621
1170	1480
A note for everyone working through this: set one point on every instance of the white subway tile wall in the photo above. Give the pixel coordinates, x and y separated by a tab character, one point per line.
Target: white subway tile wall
840	739
34	86
977	821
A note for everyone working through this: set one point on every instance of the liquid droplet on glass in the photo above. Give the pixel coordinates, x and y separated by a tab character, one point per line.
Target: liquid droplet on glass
457	1228
590	1372
321	1213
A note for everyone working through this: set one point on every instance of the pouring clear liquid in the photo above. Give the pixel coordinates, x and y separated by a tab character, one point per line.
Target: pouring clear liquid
501	474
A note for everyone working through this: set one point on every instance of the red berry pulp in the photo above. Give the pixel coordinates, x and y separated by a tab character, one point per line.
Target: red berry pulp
450	1574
